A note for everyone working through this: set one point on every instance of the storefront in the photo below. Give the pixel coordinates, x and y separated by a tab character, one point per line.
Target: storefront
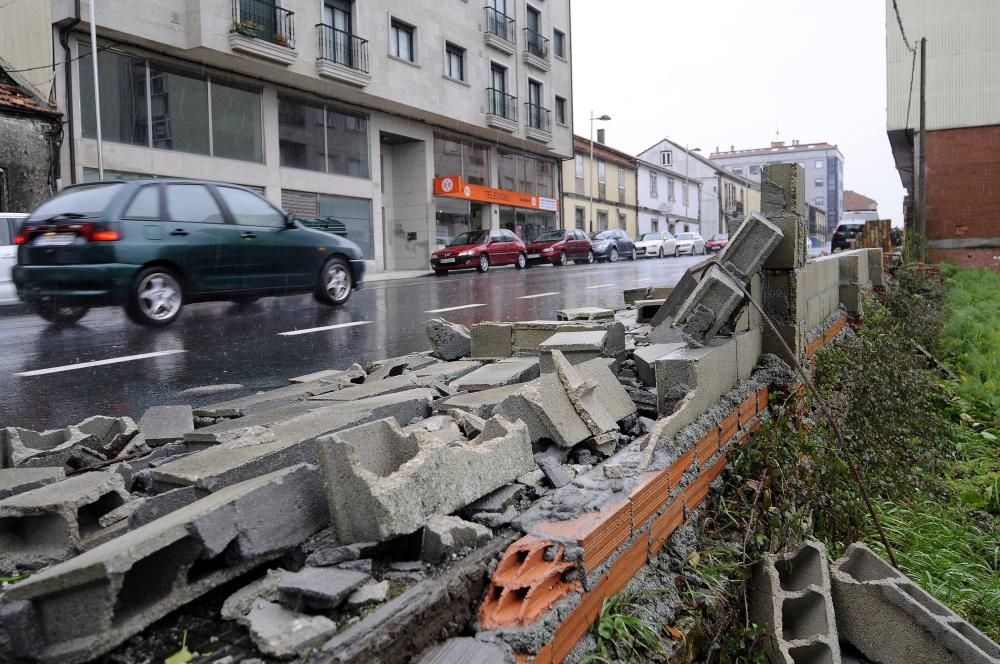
526	214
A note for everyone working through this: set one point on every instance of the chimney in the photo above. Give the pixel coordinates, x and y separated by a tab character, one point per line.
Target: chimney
600	136
795	141
777	144
732	148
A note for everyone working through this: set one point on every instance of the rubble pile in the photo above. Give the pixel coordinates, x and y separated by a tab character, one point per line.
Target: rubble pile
495	485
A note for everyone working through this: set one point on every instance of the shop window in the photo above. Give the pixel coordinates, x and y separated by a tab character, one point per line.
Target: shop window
123	100
324	139
356	216
177	111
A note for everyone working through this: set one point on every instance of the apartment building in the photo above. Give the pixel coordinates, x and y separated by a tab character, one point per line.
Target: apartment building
401	123
600	192
823	164
668	201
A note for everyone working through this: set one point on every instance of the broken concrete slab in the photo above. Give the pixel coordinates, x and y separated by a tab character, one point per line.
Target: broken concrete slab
645	360
705	373
610	392
353	374
528	335
465	649
492	340
711	305
646	309
166	424
153	507
318	588
480	403
547	412
442	427
498	374
18	480
327	555
499	500
891	620
449	341
554	473
444	536
84	607
56	521
268	400
576	347
397	366
368	594
281	633
238	605
585	313
382	483
582	394
681	292
206	390
24	447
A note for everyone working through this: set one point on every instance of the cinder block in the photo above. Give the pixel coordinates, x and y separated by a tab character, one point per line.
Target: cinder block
794	336
498	374
749	317
610	392
449	341
706	373
529	335
791	250
748	350
645	358
785	295
790	594
492	340
751	245
791	179
710	306
381	482
585	313
577	347
891	620
542	405
80	609
852	298
18	480
680	293
480	404
166	424
646	309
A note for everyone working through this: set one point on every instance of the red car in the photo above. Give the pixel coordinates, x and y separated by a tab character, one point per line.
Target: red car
717	242
480	250
560	247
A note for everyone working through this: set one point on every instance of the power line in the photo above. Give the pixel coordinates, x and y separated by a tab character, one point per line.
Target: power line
909	99
899	19
57	64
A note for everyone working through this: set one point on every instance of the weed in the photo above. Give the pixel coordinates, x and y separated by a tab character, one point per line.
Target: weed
625	631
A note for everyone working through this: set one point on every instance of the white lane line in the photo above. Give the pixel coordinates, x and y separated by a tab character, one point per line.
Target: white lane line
464	306
645	279
598	286
98	363
310	330
532	297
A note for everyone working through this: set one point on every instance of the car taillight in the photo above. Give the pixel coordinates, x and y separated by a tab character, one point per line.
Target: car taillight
21	238
105	236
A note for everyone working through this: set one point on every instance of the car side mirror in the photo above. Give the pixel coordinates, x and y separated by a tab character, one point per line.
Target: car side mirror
290	220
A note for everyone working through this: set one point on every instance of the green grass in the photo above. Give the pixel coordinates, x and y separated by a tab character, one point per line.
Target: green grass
625	631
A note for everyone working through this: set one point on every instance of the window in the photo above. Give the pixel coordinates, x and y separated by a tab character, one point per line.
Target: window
819	182
347	143
602	172
819	200
248	209
355	214
236	123
123	104
819	163
579	218
602	221
508	236
454	62
559	43
536	118
323	139
738	171
621	184
687	189
670	189
666	158
621	224
192	203
146	204
579	166
401	40
653	180
654	225
177	110
561	111
754	169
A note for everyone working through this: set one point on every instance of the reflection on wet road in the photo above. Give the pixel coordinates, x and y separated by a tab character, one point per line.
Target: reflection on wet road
51	377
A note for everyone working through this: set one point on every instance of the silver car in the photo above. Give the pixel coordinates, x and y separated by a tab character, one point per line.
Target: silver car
690	244
657	245
10	223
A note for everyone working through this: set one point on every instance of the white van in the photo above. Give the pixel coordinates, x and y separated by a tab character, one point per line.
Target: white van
10	222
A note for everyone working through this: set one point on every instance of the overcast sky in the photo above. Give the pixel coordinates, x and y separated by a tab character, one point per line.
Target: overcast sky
721	73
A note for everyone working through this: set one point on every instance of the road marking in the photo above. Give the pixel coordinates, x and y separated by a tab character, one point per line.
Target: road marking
598	286
310	330
98	363
646	279
464	306
532	297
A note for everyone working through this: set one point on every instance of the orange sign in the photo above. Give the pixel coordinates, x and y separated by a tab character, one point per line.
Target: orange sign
453	187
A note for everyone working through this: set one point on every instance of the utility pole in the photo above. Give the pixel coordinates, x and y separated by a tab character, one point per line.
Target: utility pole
97	90
922	166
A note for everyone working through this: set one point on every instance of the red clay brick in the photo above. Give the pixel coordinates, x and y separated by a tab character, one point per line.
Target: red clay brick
598	533
627	564
665	525
648	496
747	410
762	399
708	446
577	623
681	466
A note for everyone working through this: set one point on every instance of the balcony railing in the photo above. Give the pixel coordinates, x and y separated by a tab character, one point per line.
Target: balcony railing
501	25
502	104
536	44
262	19
538	117
342	48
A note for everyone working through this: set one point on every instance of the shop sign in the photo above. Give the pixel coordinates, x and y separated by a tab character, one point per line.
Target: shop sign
453	186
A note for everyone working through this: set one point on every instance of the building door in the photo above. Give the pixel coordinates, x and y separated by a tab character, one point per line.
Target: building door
337	15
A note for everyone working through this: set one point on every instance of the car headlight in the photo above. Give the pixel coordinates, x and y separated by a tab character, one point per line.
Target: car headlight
467	252
601	245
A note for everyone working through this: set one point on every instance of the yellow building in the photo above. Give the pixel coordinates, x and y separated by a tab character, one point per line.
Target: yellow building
612	183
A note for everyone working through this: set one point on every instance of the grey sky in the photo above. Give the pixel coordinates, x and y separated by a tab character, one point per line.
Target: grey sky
716	73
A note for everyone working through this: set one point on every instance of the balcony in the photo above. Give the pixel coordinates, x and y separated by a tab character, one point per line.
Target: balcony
536	50
539	123
501	110
262	29
499	31
342	56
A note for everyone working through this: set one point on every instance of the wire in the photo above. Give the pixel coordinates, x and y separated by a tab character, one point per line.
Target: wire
909	100
57	64
899	19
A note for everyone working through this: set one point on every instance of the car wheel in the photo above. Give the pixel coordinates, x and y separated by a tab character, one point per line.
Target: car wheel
633	256
562	261
703	252
677	252
484	263
155	298
440	273
613	256
590	258
335	285
61	314
660	253
522	261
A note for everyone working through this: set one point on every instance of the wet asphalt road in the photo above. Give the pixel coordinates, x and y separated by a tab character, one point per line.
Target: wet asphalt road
226	343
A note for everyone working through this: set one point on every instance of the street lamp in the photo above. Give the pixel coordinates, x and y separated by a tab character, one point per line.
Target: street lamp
687	169
590	207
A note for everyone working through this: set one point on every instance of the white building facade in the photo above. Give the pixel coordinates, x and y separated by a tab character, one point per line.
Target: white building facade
402	124
668	201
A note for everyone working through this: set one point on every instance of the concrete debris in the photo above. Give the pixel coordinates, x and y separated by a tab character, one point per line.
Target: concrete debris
449	341
555	473
368	594
645	360
706	373
397	366
443	427
465	649
18	480
318	588
495	520
492	340
206	390
480	404
153	507
614	471
471	425
366	565
353	374
34	449
86	606
712	303
499	500
446	535
529	335
585	313
532	479
284	634
576	347
166	424
270	400
748	248
238	605
498	374
327	556
581	394
382	483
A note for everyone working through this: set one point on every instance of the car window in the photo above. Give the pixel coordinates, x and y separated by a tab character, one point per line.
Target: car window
83	201
4	232
550	236
685	236
469	237
192	203
580	235
508	236
145	204
496	236
249	209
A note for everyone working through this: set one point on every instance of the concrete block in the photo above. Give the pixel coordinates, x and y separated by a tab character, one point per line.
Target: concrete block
84	607
646	309
585	313
645	360
891	620
382	483
56	521
442	427
35	449
749	346
479	403
499	500
794	336
492	340
852	299
790	178
397	366
270	400
152	508
449	341
447	535
166	424
465	649
633	295
278	632
370	388
576	347
239	604
584	394
542	405
705	373
680	293
554	473
610	392
791	250
18	480
528	335
354	373
368	594
785	295
751	245
790	595
318	588
498	374
713	303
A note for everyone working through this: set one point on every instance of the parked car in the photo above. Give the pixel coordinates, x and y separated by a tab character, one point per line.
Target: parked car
10	223
441	241
156	245
612	244
690	243
480	250
559	247
718	241
658	244
844	234
815	247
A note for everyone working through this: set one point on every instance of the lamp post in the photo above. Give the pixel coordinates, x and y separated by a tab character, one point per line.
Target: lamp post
590	187
687	195
97	91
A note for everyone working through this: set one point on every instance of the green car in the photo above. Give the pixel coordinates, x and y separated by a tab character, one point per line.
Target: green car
155	245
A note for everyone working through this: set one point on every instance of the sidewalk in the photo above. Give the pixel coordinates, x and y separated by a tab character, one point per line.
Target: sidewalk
372	277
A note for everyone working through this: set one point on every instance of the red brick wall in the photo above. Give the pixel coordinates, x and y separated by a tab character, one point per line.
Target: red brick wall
988	257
